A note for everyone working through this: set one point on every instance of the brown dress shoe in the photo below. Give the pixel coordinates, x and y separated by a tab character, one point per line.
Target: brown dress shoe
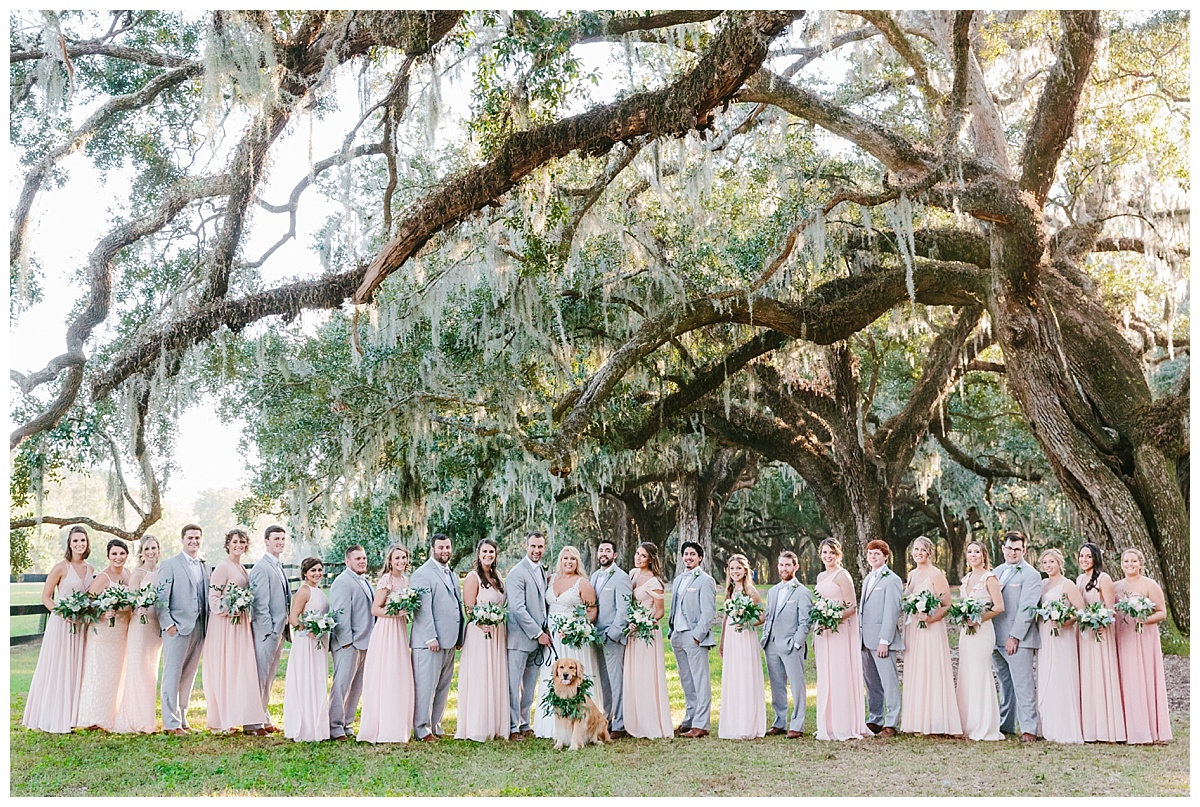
515	736
1026	737
175	732
875	728
429	738
527	733
773	731
682	730
887	731
618	734
697	733
256	732
271	729
795	735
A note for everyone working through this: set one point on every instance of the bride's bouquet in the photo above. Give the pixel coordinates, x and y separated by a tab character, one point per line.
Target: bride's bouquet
489	615
576	629
642	623
1055	612
146	597
76	608
1096	617
319	625
1137	607
826	614
920	602
742	611
968	612
114	598
405	601
237	601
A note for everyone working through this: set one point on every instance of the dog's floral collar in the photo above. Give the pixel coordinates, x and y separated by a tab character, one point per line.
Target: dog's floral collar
569	708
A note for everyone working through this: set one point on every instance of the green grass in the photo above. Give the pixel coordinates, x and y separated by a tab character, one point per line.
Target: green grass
84	763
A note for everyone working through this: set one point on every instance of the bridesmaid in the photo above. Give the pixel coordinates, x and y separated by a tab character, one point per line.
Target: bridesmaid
137	713
53	701
977	701
839	658
483	666
928	704
388	695
306	685
230	671
104	649
743	703
646	709
1099	682
1139	658
1058	659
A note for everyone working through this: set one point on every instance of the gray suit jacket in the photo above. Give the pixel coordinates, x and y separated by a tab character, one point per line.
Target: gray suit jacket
879	613
694	606
526	589
440	616
613	590
179	603
787	618
1022	590
352	595
272	597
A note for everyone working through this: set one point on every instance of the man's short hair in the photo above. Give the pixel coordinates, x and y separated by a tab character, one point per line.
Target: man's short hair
439	536
271	530
533	533
608	541
691	545
352	549
189	527
790	555
1014	537
882	546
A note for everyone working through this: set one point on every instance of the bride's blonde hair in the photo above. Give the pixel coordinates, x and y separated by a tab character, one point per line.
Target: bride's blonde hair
569	551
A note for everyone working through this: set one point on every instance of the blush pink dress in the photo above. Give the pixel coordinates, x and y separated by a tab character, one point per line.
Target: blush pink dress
306	686
1143	682
839	675
388	695
483	677
978	705
138	713
1058	679
53	701
229	671
928	703
644	703
1099	681
103	670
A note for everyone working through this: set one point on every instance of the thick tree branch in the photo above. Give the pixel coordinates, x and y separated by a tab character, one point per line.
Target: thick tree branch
992	470
102	47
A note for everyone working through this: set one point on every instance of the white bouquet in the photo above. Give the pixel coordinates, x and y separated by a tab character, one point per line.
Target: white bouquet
1096	617
1137	607
489	614
642	623
576	629
145	597
920	602
237	601
319	625
826	614
742	611
968	612
113	598
1056	612
404	601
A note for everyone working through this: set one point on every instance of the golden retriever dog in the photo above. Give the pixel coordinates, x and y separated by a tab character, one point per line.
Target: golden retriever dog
567	675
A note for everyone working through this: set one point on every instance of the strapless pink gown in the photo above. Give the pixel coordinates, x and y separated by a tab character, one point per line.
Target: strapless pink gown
644	703
306	686
1100	682
840	699
388	694
1058	680
1143	682
53	701
229	671
483	679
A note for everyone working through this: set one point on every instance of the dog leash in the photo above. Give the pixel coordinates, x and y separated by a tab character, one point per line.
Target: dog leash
542	658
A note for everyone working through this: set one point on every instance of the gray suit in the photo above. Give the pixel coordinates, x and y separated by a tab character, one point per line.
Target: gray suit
878	615
440	618
269	622
526	589
353	596
613	592
784	638
184	605
693	609
1021	586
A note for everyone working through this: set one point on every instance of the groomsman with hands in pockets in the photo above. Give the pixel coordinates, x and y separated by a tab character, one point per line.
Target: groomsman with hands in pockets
352	595
693	609
183	617
878	616
437	631
1017	639
526	589
269	620
784	637
613	592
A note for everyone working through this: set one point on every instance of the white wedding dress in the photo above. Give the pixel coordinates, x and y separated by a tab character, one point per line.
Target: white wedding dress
563	605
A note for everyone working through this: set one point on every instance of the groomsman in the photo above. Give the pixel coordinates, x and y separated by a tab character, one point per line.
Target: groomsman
784	638
437	631
878	615
526	589
351	594
693	609
1016	639
613	592
272	604
183	618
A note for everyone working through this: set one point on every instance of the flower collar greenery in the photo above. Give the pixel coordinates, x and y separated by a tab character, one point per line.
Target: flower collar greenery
569	708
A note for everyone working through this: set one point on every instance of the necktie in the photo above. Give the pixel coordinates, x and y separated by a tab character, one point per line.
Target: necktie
1007	573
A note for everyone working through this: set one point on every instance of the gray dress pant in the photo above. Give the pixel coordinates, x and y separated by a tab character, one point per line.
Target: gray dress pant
431	687
268	651
787	670
1018	703
691	660
522	679
347	688
883	688
181	658
611	673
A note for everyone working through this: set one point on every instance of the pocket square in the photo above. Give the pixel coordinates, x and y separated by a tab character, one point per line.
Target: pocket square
693	589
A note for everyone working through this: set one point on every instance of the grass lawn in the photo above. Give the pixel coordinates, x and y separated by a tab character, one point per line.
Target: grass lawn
84	763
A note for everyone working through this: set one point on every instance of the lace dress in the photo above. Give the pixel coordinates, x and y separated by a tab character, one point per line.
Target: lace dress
103	669
560	606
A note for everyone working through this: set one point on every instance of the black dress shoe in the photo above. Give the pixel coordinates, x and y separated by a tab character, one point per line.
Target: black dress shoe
875	728
773	731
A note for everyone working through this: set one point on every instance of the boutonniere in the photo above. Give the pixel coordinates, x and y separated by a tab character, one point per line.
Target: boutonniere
695	574
610	572
884	573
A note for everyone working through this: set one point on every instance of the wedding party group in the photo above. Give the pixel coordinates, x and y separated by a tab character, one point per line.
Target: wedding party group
1068	661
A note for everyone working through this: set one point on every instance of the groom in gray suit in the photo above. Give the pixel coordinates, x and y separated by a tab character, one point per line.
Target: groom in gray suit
878	615
784	638
183	617
437	631
613	591
353	596
269	623
526	589
1016	639
693	609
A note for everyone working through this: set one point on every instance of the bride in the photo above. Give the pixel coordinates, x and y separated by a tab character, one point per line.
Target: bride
568	589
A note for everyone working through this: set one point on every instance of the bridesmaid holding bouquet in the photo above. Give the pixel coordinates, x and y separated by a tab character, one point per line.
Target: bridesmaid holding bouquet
104	649
1139	655
1058	658
137	712
928	704
483	666
839	658
1099	680
743	704
230	671
306	687
389	693
978	705
646	709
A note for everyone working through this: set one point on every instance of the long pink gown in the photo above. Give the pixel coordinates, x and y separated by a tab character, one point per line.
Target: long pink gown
839	675
1100	682
743	702
1143	682
306	686
928	703
483	678
138	713
978	705
229	671
103	671
53	701
388	695
1058	679
644	703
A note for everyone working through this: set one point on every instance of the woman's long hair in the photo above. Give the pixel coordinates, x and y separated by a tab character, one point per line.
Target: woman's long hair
488	578
1097	566
742	561
653	562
